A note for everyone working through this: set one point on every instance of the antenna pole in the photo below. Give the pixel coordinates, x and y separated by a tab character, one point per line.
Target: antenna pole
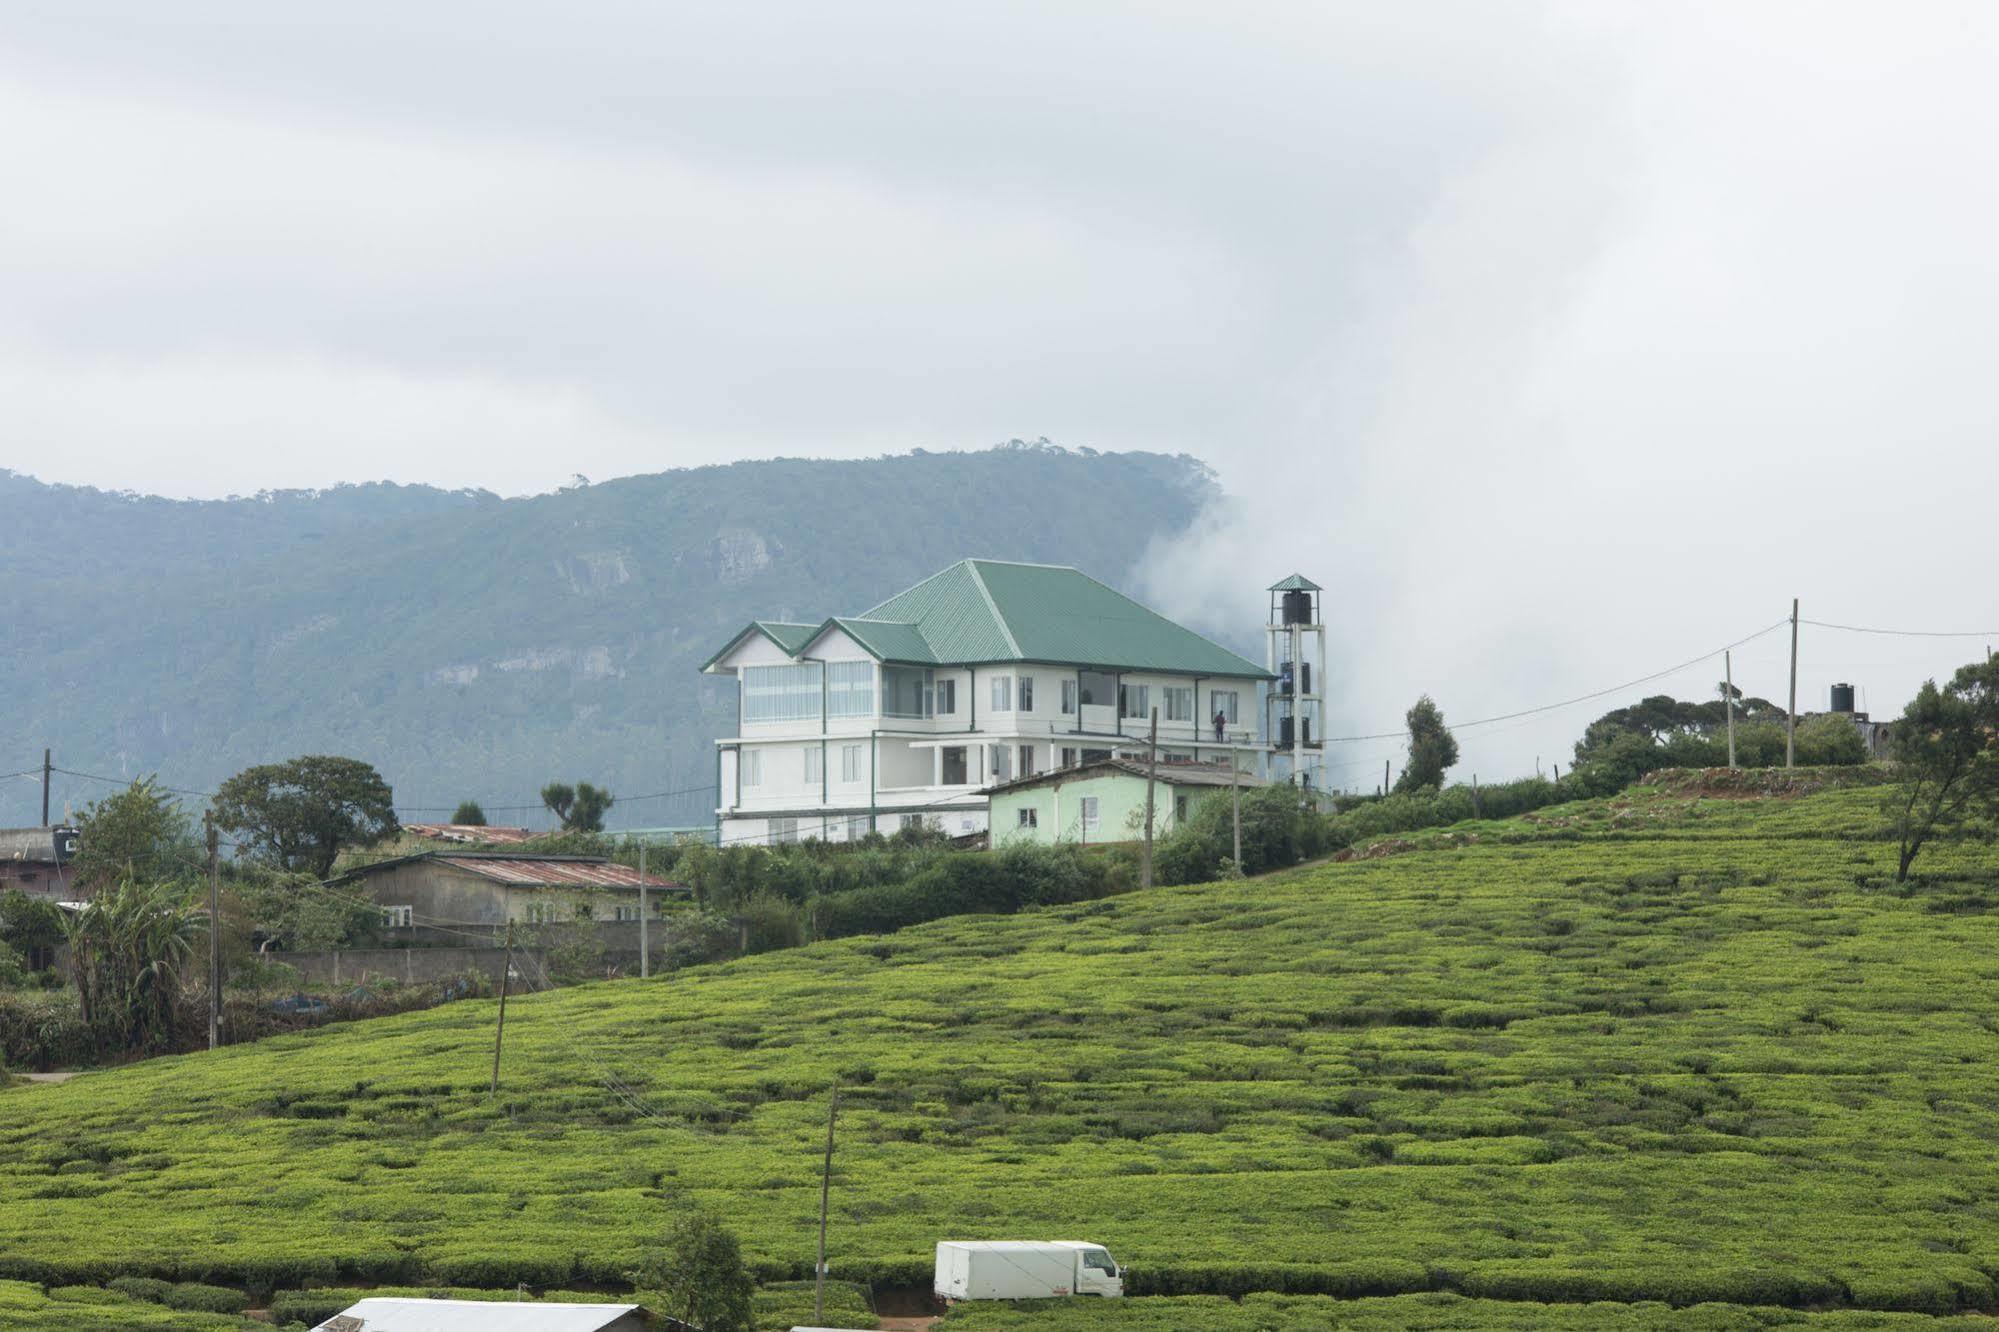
1791	720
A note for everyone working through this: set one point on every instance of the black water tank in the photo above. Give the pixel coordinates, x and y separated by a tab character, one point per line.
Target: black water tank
1284	732
1842	698
1298	607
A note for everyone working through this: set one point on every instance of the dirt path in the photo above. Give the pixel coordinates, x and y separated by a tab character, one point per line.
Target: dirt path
46	1077
908	1324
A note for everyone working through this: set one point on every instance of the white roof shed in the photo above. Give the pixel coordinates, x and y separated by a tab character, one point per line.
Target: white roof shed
385	1314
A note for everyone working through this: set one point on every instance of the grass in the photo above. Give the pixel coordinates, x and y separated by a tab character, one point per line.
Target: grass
1662	1049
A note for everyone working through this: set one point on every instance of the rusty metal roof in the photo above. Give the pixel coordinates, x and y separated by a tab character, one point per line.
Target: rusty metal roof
491	834
534	871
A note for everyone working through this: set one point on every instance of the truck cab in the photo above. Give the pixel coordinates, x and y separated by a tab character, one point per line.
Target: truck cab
1097	1273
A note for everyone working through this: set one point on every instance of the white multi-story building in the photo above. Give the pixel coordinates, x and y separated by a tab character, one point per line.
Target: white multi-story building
982	673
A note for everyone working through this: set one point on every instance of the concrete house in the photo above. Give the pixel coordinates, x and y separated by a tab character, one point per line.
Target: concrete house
35	861
1103	801
980	674
469	889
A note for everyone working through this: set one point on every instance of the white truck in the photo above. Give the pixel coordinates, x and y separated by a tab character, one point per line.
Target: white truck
1025	1270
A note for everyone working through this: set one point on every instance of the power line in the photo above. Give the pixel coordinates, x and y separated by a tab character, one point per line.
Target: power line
1905	633
127	781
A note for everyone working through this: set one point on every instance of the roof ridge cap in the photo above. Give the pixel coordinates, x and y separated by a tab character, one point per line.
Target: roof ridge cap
1006	630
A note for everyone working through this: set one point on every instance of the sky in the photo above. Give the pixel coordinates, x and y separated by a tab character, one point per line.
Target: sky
1560	342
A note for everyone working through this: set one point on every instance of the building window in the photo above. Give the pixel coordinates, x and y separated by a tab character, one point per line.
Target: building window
947	697
953	764
1224	703
906	691
857	827
540	913
1068	757
783	831
850	689
752	762
1098	687
1179	703
1089	814
1027	760
850	763
1001	768
1068	698
1002	693
815	764
781	693
967	824
625	911
1027	693
1030	818
398	917
1134	700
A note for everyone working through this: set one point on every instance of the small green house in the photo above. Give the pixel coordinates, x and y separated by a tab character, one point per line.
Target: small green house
1103	800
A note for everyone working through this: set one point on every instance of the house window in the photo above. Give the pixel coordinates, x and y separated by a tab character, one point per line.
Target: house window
1224	703
967	824
850	689
857	827
947	697
815	764
1179	703
1002	693
850	763
1001	768
1134	700
906	691
398	917
1068	757
1027	693
783	831
953	761
1027	760
1068	698
1098	687
781	693
752	761
624	911
1030	818
540	913
1089	814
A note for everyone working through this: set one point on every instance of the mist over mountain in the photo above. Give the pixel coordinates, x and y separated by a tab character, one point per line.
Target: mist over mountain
476	647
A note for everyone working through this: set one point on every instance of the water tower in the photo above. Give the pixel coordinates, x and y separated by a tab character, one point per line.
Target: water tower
1294	707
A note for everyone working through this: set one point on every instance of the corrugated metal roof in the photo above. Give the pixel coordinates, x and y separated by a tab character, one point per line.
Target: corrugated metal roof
387	1314
37	845
956	617
792	638
889	640
1295	583
536	871
1063	615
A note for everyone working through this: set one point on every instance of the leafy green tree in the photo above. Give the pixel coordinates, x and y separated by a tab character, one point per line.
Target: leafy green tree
469	815
298	816
31	926
1432	748
700	1275
1946	748
282	909
580	807
141	833
128	949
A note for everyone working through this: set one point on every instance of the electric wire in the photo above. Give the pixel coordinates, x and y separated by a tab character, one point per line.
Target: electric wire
1904	633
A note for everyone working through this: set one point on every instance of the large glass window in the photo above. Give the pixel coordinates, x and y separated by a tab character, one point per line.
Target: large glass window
1089	814
947	697
1225	703
906	691
1099	688
850	688
1179	703
1002	693
1027	693
781	693
1068	698
753	766
1135	700
784	831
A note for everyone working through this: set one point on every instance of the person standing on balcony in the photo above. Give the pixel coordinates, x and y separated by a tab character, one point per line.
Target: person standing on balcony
1221	721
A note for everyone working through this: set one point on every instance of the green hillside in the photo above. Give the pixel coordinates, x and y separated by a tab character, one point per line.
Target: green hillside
475	647
1661	1048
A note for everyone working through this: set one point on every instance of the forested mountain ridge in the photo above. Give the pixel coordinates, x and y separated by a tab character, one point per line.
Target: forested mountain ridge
473	646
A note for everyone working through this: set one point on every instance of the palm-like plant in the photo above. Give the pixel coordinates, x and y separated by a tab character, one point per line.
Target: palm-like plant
128	950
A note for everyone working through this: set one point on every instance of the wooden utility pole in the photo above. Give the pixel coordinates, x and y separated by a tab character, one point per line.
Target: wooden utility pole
500	1027
1235	809
1791	719
645	953
1151	775
1728	688
825	1192
1476	812
1384	777
214	930
47	768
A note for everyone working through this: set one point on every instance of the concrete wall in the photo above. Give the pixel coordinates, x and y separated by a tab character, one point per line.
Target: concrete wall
619	940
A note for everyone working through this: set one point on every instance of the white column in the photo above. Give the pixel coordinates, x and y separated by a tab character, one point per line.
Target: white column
937	766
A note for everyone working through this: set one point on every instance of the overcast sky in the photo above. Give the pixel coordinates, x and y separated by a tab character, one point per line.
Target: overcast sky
1561	342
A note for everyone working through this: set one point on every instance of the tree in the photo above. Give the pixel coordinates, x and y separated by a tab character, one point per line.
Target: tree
1432	748
31	926
1946	748
300	815
141	833
700	1274
469	815
581	807
127	949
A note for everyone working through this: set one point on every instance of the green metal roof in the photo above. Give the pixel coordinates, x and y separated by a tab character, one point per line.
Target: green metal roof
790	638
1296	583
979	611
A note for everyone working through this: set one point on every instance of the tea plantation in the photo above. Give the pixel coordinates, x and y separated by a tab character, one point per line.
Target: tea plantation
1665	1048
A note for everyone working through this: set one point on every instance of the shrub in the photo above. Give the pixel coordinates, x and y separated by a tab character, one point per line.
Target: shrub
150	1289
196	1297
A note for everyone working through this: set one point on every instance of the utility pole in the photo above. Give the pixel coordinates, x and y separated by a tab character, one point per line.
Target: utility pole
1235	809
1791	718
500	1027
645	953
1476	812
47	767
214	930
825	1191
1728	686
1151	775
1384	777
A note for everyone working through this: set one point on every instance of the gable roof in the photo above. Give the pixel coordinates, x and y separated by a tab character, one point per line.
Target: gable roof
390	1314
977	612
528	870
